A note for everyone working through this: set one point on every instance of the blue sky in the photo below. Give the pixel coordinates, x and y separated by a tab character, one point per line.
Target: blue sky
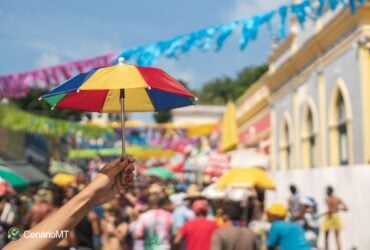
42	33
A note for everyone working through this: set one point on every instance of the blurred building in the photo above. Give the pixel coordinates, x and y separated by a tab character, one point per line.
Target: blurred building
198	114
253	118
315	96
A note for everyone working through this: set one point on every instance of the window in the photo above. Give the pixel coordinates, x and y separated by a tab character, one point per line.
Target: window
340	125
341	128
285	147
311	140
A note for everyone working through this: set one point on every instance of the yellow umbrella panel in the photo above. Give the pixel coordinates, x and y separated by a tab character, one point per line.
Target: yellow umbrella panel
253	177
229	132
63	179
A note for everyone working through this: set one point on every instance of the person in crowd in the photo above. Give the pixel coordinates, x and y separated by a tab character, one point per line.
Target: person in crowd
197	232
309	220
41	207
332	221
132	242
114	229
252	210
7	218
87	232
219	218
181	213
231	237
293	201
110	181
70	241
155	225
284	235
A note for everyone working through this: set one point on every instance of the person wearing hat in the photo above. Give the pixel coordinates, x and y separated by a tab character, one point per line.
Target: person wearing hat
197	232
309	220
284	235
231	237
181	213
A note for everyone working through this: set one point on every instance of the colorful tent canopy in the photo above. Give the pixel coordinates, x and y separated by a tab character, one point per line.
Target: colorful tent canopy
253	177
63	179
160	172
32	174
18	182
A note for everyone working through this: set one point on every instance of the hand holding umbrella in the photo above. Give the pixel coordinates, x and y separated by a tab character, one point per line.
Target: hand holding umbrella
120	88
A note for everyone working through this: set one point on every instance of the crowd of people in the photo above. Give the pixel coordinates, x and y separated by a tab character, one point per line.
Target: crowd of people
158	215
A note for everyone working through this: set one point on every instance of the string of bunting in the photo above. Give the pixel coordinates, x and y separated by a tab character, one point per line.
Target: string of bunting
18	84
19	120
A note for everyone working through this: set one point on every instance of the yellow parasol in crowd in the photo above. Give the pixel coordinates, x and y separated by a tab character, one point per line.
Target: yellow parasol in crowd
63	179
229	132
241	177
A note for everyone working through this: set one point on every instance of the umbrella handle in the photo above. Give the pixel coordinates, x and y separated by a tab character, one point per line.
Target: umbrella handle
123	128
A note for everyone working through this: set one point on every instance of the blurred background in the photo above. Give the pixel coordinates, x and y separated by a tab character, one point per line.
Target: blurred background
291	108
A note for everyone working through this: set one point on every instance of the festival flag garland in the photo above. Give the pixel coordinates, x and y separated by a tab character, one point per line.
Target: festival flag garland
18	120
18	84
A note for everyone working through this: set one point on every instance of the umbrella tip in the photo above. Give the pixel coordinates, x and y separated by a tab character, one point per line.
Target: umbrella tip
121	60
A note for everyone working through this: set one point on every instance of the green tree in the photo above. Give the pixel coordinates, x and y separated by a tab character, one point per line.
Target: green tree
221	90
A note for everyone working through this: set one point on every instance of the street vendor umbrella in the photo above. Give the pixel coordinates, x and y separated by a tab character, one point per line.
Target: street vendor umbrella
5	188
160	172
247	177
120	88
63	179
16	181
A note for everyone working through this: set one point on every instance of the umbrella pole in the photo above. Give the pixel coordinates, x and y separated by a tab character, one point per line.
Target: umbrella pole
123	129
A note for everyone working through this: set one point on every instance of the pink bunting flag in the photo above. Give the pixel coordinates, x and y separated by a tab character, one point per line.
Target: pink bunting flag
19	84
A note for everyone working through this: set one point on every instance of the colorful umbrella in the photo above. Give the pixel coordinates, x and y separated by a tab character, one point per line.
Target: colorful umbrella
120	88
160	172
63	179
5	188
251	177
18	182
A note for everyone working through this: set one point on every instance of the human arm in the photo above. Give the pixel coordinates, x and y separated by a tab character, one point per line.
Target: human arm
342	206
273	237
180	235
103	188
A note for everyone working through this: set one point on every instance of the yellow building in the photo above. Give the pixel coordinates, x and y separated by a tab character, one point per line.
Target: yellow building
254	119
316	94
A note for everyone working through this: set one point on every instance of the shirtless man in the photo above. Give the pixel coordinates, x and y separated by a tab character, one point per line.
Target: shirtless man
332	220
42	206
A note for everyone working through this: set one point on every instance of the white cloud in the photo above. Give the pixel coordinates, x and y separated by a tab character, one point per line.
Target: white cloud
172	68
244	8
46	60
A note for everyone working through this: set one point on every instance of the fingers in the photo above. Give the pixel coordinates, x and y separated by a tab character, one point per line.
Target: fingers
127	176
116	166
131	159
